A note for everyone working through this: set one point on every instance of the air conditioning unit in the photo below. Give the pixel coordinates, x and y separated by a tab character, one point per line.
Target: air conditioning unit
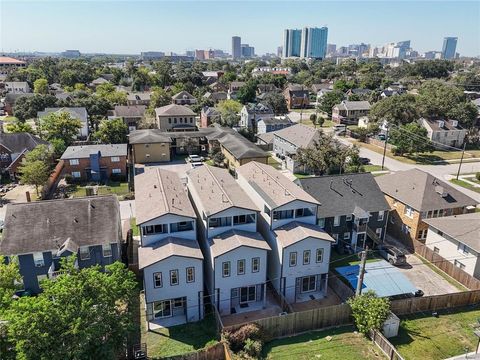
39	264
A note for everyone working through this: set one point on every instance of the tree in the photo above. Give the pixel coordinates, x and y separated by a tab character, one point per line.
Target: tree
343	85
320	121
466	113
369	311
40	86
83	314
218	158
329	100
397	109
19	127
60	126
436	99
410	139
229	110
313	119
112	132
28	107
107	91
9	275
159	98
34	173
277	102
247	93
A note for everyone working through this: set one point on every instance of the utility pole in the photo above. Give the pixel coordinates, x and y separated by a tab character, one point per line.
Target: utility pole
385	149
461	160
358	292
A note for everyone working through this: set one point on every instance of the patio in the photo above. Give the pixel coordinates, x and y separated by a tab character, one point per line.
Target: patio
166	322
329	300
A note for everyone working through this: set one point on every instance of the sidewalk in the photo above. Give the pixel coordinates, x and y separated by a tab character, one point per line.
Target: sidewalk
471	355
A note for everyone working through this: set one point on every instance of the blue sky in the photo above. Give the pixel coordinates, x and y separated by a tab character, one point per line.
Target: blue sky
135	26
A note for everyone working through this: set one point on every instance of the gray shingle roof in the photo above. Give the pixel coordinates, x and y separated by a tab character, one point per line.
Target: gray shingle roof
129	111
145	96
174	110
150	136
79	113
84	151
463	228
300	135
353	105
183	95
276	121
20	142
294	232
422	191
165	248
46	225
340	194
234	239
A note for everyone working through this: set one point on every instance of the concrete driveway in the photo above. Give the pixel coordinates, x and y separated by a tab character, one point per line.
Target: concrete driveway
180	167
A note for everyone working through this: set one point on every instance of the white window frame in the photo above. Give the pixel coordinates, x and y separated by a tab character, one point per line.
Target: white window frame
292	256
319	254
255	264
459	265
190	274
463	249
336	221
346	236
76	174
157	277
321	223
84	252
381	215
379	231
409	211
348	217
172	274
114	158
241	264
107	250
38	259
73	162
307	256
226	269
116	171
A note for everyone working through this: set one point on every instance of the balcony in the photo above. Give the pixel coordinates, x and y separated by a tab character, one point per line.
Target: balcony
360	227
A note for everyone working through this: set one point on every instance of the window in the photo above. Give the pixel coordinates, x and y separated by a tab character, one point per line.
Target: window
459	264
293	259
73	161
239	219
266	210
309	283
378	231
241	267
346	236
381	215
190	274
436	250
319	257
282	214
175	120
306	257
336	221
107	250
114	159
409	211
169	120
173	277
84	253
462	248
226	269
349	217
335	236
321	223
178	302
38	259
157	280
422	234
116	171
405	229
155	229
255	264
76	174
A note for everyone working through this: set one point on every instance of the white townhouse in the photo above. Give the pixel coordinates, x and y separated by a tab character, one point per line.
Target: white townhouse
235	253
169	255
457	239
299	260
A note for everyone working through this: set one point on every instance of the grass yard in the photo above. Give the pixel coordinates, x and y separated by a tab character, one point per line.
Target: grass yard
274	163
338	260
10	119
177	340
371	168
343	345
427	337
302	176
118	188
465	185
134	227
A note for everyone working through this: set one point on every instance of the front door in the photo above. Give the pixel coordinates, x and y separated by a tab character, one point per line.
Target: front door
309	284
163	309
247	294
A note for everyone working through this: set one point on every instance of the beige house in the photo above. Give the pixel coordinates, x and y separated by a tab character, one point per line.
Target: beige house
175	118
444	132
149	146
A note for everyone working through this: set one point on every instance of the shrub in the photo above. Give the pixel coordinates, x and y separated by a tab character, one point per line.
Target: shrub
238	338
253	348
477	176
117	177
69	179
369	311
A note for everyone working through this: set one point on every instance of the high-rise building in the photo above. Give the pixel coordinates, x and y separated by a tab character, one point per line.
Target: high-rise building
247	51
292	43
331	49
279	51
449	47
314	43
236	47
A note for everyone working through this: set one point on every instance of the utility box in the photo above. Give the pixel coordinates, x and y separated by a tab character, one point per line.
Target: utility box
391	326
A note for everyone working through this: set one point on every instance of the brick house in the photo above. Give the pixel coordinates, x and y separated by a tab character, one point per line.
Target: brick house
415	195
96	162
297	96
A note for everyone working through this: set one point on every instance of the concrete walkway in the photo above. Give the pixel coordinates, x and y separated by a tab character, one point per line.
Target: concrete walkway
469	356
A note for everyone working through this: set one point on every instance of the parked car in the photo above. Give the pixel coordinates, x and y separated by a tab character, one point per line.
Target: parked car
364	160
393	255
195	158
196	164
381	137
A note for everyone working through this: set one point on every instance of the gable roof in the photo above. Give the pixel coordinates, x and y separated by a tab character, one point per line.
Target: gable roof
341	194
46	225
276	121
218	190
463	228
84	151
183	95
159	192
353	105
129	111
19	142
234	239
148	136
274	187
294	232
79	113
165	248
258	108
422	191
144	96
174	110
299	135
239	146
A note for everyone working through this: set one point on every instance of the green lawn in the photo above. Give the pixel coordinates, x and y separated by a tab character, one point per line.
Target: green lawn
465	185
274	163
10	119
134	227
118	188
301	176
426	337
176	340
371	168
343	345
339	260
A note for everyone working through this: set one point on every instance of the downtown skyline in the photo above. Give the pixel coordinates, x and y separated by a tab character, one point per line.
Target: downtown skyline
136	27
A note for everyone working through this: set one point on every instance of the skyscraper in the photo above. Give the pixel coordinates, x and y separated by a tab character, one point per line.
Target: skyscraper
292	43
314	43
247	51
449	47
236	47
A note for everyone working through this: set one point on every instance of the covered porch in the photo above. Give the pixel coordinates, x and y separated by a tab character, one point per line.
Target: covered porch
166	313
311	287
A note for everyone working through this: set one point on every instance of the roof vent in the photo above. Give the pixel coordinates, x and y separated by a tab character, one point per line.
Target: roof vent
440	190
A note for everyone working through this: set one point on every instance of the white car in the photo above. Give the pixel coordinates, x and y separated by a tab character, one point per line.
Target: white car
195	158
196	164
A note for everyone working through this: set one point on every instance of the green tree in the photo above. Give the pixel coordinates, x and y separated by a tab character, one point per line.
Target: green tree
40	86
107	91
410	139
19	127
369	311
277	103
398	109
436	99
329	100
343	85
247	93
159	98
466	113
9	275
34	173
28	107
112	132
60	126
229	110
218	158
83	314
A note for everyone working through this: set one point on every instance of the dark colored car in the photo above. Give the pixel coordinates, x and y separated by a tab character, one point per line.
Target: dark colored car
364	161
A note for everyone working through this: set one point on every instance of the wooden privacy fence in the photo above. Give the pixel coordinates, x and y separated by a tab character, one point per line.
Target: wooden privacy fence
339	287
446	266
299	322
434	302
52	180
385	345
